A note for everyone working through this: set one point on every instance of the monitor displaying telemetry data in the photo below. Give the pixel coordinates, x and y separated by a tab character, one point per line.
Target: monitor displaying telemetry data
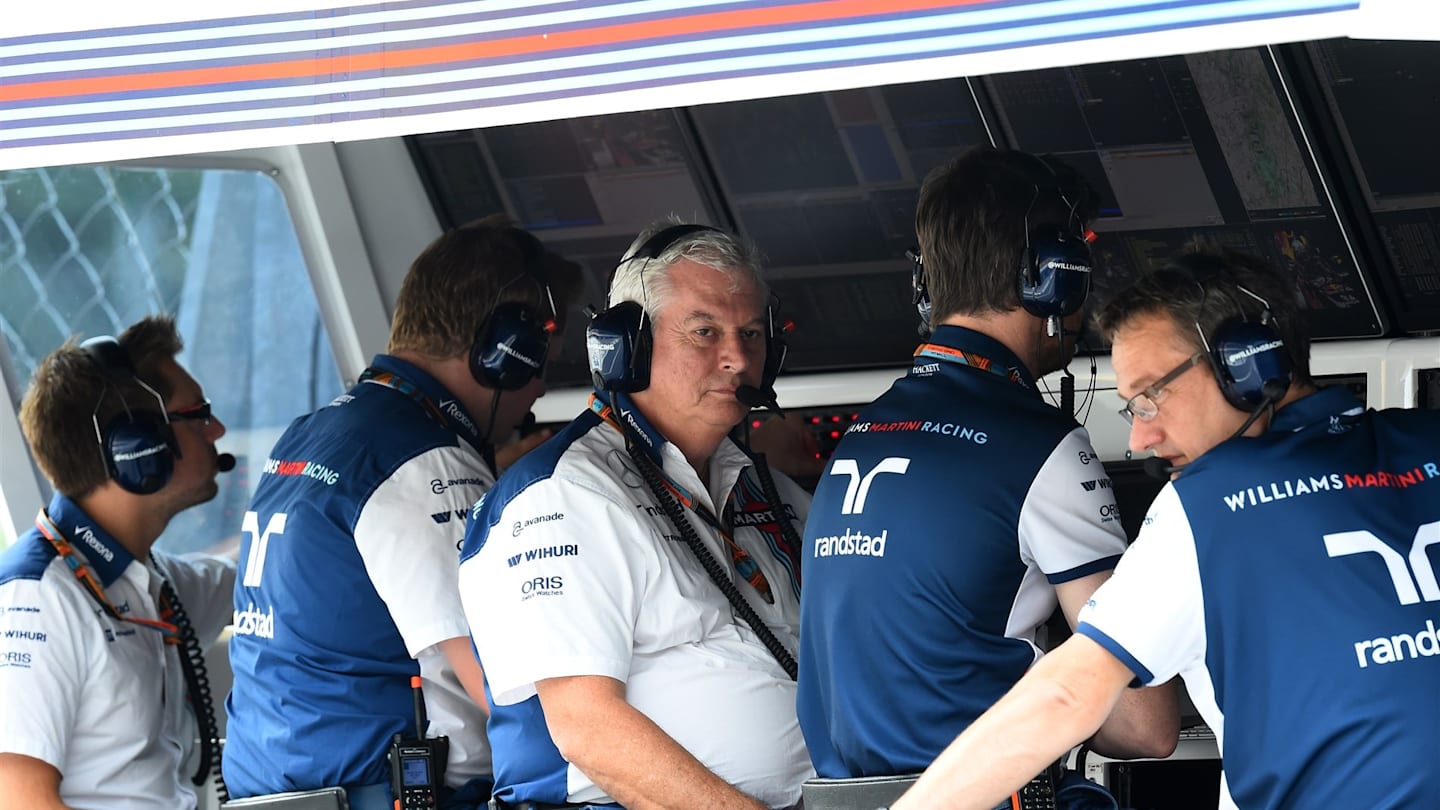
1198	146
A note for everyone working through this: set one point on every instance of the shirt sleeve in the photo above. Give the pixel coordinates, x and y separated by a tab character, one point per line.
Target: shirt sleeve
1069	524
555	589
43	668
206	587
1150	614
408	534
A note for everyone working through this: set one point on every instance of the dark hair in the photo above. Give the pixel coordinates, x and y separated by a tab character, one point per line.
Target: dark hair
455	282
974	218
1202	288
68	386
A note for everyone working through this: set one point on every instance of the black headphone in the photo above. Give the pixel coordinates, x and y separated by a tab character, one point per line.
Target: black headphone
1055	265
619	341
1251	362
138	447
512	344
921	292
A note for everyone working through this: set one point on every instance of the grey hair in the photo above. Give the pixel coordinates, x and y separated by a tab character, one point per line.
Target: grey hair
647	280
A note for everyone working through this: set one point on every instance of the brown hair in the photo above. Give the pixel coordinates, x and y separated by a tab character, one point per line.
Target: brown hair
457	280
1201	289
71	385
973	223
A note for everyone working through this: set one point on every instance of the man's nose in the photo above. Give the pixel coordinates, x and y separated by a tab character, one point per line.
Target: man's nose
734	354
1144	435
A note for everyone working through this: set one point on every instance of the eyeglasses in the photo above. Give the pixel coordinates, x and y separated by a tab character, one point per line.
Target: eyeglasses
195	413
1146	404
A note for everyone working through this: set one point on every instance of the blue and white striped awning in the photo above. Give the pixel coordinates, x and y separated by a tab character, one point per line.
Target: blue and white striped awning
177	86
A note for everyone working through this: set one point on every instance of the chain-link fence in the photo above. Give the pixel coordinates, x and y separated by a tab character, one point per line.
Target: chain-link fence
87	251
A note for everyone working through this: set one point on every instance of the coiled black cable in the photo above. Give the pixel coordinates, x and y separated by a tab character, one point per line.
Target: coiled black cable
197	690
721	578
772	494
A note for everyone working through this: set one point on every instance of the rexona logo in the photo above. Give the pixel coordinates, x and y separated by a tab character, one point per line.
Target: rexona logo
88	535
860	485
251	622
307	469
522	525
544	553
1405	578
453	411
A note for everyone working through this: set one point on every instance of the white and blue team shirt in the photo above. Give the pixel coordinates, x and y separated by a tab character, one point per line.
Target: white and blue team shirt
1290	580
348	567
946	515
102	700
574	552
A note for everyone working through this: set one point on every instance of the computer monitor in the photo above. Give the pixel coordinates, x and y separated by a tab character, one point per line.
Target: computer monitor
1203	145
1385	97
584	186
826	184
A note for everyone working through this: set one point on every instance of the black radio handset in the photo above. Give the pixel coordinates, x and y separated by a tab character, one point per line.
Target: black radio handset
417	764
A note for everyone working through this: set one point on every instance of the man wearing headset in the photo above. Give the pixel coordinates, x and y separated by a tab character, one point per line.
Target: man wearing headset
1287	576
625	672
348	558
961	505
95	685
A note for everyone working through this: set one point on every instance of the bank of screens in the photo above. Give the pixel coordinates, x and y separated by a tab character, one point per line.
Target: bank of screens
1180	147
584	186
1386	98
826	185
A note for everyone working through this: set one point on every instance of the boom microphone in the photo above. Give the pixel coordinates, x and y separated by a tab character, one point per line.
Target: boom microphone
752	397
225	462
1158	468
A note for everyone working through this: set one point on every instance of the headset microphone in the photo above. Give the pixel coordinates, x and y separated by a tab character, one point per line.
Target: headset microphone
1158	468
752	397
1273	391
225	462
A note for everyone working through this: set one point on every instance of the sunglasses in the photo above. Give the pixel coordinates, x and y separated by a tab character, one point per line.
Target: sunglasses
195	413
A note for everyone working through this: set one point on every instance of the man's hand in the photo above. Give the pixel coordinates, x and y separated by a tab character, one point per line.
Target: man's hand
1060	702
625	753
